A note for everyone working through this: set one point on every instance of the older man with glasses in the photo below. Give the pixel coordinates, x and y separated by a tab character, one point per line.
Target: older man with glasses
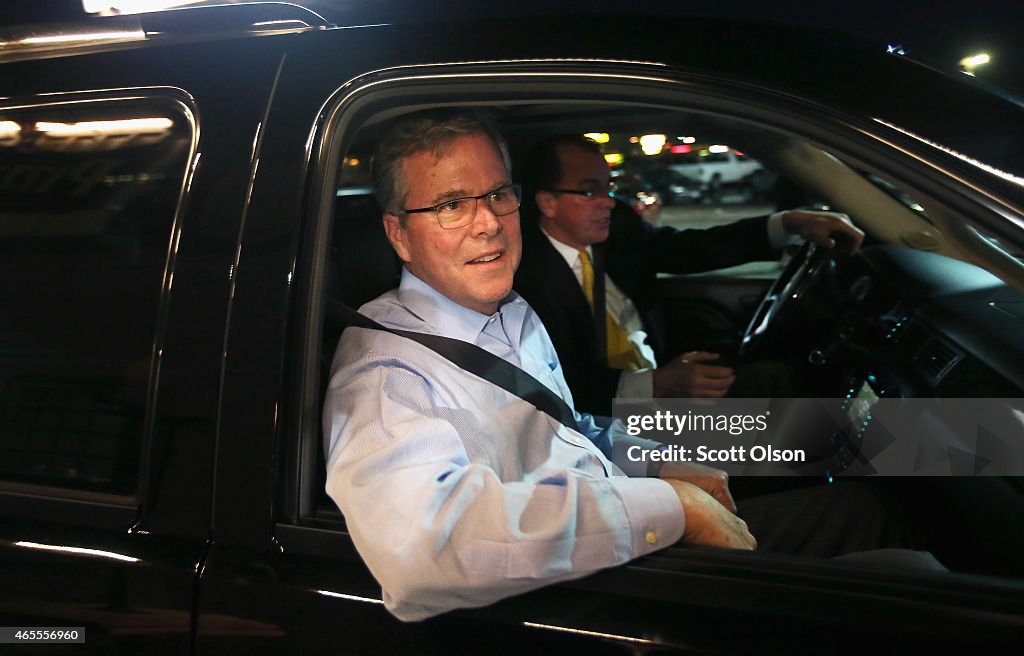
458	492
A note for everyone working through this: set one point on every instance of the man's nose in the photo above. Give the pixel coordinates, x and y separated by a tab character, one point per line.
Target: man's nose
605	200
486	222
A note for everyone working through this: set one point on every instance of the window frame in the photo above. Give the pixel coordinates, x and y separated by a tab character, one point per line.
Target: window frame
405	89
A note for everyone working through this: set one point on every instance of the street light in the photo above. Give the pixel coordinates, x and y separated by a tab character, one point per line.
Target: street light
652	144
968	64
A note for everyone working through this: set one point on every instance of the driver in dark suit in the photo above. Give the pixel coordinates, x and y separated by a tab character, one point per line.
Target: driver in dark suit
589	270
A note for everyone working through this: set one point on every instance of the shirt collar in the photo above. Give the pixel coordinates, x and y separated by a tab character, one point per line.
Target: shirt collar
568	252
444	316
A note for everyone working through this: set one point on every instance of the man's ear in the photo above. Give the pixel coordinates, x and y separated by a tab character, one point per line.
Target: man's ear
545	203
397	235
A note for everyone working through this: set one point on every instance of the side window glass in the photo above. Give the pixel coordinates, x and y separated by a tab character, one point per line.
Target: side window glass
703	176
702	183
361	265
89	192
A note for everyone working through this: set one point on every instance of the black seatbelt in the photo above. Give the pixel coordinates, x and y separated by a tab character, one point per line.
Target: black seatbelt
475	360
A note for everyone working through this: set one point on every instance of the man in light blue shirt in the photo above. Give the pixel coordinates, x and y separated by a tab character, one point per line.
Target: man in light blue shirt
456	492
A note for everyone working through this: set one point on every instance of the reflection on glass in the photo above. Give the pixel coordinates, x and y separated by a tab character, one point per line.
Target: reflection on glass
75	38
100	135
106	7
88	196
10	133
91	128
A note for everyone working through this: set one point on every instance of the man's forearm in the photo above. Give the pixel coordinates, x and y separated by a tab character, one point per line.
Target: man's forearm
472	540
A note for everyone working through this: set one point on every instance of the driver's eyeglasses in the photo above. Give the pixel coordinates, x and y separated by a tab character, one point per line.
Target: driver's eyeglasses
589	194
460	212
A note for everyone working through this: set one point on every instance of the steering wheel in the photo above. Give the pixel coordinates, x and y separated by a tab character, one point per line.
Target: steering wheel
787	289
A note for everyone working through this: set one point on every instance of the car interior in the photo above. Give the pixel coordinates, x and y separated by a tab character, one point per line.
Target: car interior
912	315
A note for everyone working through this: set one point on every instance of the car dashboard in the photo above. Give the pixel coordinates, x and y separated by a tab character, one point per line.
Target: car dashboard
917	324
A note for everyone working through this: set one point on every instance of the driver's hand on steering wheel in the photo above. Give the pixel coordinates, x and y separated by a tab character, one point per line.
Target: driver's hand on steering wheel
690	376
830	230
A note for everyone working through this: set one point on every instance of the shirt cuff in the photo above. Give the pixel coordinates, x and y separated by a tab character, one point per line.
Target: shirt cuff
654	511
621	443
636	385
777	235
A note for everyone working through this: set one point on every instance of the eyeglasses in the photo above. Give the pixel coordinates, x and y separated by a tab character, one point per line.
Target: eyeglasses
589	194
460	212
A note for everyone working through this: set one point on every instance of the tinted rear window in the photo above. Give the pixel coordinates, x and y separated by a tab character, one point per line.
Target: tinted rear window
89	193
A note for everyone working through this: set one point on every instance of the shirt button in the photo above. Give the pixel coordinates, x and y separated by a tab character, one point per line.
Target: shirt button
492	319
652	537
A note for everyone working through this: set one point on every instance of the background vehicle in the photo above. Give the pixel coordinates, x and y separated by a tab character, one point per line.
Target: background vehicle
631	188
715	167
168	282
674	187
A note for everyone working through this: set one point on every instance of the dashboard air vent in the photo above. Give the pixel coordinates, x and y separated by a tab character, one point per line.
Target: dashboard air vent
936	358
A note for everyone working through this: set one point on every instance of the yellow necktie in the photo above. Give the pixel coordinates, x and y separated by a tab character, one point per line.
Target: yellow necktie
621	353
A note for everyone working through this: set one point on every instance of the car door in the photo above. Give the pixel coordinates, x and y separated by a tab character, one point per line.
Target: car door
117	248
282	574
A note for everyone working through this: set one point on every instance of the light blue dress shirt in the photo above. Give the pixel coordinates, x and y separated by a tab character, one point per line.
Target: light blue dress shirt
458	493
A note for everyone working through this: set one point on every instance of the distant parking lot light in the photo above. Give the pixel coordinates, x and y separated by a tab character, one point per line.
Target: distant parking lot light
613	159
718	149
599	137
652	144
689	140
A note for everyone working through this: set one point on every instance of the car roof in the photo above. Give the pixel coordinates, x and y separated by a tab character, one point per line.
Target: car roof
824	70
170	26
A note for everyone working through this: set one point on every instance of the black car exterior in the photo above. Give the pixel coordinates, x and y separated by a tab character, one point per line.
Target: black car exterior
167	355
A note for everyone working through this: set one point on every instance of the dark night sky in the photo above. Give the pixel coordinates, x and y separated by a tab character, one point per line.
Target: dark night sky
936	32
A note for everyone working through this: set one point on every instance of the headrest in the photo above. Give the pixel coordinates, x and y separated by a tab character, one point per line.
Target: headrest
362	264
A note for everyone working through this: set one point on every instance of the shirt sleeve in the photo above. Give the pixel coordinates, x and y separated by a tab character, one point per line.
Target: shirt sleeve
631	453
441	532
777	235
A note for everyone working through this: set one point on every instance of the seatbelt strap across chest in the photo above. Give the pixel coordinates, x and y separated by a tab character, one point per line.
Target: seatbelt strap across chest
480	362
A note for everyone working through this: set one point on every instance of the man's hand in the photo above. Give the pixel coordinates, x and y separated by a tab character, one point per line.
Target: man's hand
708	522
689	377
713	481
830	230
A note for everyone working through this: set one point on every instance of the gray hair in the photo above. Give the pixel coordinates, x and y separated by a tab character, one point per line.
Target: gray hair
431	131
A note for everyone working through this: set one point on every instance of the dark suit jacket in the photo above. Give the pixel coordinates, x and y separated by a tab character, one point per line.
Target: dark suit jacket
633	255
